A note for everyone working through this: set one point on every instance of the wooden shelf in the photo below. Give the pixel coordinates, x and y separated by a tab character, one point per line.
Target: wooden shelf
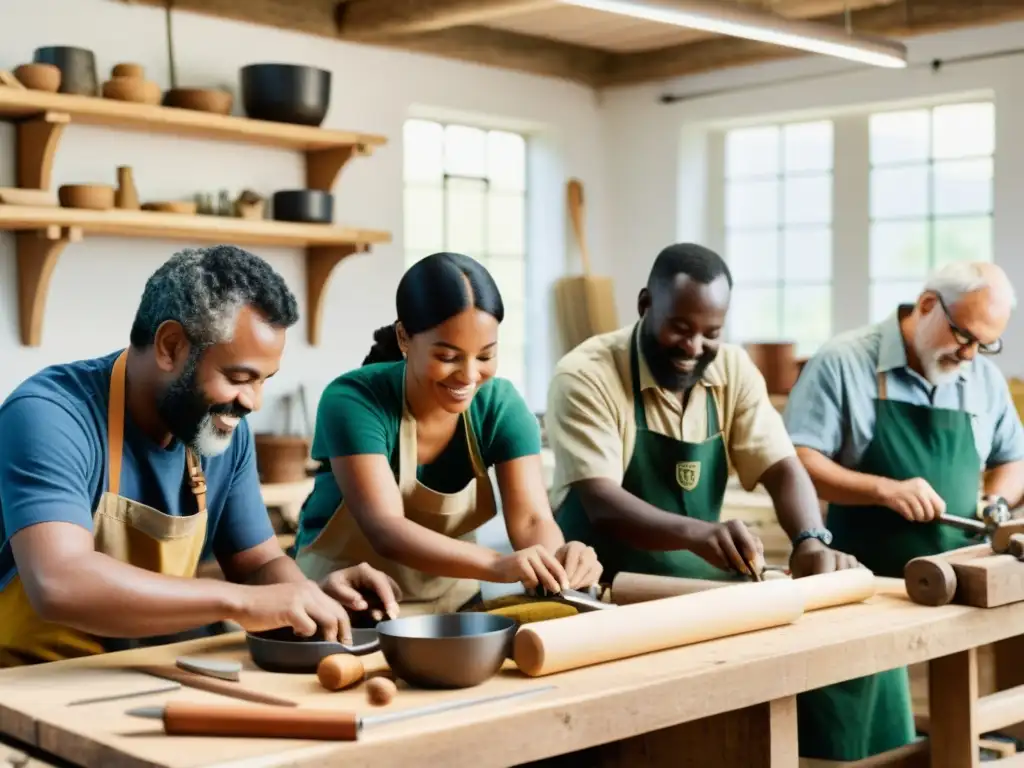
42	234
42	117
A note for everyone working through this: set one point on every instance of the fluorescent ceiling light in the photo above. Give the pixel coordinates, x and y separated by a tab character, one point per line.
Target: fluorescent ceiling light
736	21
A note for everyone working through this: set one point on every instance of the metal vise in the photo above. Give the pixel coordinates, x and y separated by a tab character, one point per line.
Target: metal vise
995	526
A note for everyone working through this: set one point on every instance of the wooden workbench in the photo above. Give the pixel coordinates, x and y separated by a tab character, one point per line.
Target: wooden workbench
721	703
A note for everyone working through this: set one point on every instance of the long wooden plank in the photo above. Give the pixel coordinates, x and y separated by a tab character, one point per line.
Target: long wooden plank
15	103
591	706
370	18
127	223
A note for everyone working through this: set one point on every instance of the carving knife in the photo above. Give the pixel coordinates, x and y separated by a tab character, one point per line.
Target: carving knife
182	718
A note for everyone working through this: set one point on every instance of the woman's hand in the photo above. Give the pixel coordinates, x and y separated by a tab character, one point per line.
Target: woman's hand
349	585
534	566
581	564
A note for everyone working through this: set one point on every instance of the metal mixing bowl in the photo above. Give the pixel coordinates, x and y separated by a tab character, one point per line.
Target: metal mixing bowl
448	650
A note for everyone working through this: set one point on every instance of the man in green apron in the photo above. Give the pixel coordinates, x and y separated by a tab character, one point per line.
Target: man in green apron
896	423
645	422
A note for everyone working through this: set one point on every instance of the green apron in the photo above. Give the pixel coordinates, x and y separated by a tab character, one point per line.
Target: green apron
673	475
859	718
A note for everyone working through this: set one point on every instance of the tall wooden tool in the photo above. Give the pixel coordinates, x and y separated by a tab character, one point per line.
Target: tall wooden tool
586	303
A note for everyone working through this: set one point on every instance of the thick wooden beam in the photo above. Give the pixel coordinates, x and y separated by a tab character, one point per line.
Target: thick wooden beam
480	45
362	19
314	17
510	50
899	20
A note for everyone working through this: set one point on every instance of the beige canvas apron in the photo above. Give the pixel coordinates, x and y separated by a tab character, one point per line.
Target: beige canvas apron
123	529
341	543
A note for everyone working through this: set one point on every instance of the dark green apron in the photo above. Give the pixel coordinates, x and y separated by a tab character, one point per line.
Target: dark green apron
673	475
859	718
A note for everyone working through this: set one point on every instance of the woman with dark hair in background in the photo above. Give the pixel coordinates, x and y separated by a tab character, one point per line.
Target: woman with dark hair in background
409	438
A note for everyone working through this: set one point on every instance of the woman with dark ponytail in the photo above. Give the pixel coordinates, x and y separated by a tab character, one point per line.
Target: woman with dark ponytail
410	437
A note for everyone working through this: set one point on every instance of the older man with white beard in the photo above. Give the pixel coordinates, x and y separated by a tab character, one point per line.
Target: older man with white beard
897	423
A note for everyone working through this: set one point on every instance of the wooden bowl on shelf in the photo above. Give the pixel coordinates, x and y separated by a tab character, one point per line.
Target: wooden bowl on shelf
133	89
183	207
39	77
200	99
94	197
128	69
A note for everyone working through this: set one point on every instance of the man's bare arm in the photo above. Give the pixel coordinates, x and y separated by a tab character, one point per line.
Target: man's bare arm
68	582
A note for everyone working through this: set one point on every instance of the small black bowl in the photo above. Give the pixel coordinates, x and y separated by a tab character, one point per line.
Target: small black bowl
77	68
305	205
286	93
281	650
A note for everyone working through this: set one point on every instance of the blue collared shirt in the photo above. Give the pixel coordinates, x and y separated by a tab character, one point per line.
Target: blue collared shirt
832	407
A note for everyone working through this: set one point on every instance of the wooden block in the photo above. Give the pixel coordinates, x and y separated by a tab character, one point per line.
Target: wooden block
38	197
988	582
1003	534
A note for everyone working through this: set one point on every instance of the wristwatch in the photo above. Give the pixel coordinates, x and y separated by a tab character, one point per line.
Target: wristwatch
821	534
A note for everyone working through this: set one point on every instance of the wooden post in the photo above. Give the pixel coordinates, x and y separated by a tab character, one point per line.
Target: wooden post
953	710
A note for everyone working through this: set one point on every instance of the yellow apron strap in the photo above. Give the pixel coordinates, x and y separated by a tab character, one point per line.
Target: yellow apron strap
196	479
881	385
115	423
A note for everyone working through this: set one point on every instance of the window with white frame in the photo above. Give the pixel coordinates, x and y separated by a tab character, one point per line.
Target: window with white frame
778	233
931	195
465	191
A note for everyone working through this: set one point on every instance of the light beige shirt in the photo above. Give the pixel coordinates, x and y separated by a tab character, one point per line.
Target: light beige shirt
591	427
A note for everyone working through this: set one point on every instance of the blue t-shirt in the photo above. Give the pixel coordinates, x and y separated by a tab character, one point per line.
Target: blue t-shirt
53	465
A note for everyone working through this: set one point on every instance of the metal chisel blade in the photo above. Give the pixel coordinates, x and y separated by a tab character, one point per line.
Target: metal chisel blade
168	688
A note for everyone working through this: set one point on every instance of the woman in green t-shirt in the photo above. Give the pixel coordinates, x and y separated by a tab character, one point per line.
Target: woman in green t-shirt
409	438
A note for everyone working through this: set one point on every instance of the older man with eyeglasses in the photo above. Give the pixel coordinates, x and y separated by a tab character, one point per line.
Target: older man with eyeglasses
898	423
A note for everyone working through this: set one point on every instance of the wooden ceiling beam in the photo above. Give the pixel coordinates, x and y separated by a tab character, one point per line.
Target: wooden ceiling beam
314	17
480	45
368	19
899	20
510	50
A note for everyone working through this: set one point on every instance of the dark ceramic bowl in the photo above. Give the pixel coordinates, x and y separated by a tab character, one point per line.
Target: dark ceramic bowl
448	650
305	205
286	93
281	650
77	68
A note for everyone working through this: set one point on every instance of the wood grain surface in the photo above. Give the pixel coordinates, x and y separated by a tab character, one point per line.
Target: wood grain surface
591	706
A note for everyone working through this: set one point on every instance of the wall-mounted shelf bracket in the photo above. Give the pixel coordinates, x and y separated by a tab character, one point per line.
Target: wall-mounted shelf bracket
38	138
38	251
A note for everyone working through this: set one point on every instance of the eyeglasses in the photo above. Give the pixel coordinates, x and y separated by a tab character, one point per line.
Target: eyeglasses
967	339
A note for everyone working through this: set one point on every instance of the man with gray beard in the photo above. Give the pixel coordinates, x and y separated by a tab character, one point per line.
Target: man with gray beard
898	423
119	474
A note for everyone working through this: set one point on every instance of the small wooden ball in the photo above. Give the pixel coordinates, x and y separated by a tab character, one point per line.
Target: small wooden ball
339	670
380	691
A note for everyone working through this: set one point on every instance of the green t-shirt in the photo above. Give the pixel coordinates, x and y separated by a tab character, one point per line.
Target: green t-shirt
360	412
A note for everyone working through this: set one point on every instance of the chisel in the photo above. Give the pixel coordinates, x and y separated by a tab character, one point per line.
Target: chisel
182	718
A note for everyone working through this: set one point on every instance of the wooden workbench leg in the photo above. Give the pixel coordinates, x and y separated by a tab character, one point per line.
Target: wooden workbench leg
762	736
952	708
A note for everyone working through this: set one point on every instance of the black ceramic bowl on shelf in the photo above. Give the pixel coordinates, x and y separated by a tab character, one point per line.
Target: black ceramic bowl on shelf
286	93
304	205
77	68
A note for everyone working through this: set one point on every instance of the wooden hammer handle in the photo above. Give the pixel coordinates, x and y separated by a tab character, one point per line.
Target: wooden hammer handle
182	718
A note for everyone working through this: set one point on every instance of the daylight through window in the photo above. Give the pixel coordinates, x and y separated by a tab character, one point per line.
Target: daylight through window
465	191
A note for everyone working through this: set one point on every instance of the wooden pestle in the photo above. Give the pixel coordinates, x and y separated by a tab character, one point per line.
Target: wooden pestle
629	588
821	591
577	641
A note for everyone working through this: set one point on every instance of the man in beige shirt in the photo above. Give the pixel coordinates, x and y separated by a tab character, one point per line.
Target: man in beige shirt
646	422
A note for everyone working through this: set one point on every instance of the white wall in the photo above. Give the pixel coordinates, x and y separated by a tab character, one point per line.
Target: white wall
97	283
661	189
